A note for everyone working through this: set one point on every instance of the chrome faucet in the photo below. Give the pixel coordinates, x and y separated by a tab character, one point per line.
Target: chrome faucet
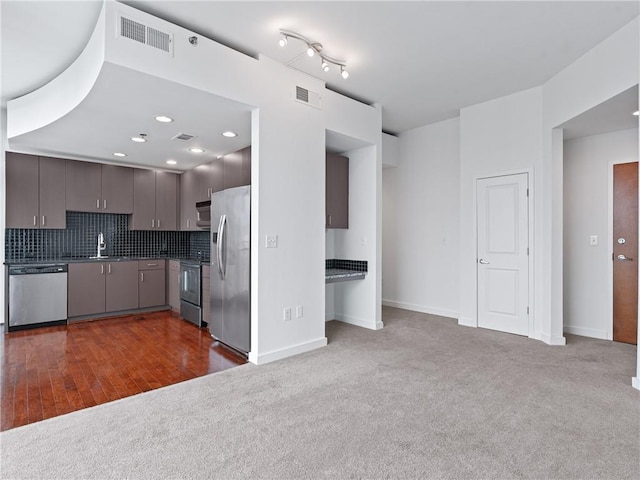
101	244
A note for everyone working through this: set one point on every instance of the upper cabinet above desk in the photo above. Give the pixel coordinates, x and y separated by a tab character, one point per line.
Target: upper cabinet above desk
92	187
337	191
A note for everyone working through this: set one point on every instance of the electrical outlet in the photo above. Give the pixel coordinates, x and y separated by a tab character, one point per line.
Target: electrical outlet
271	241
287	314
593	240
299	311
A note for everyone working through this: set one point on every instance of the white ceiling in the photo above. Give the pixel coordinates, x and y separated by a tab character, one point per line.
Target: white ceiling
422	60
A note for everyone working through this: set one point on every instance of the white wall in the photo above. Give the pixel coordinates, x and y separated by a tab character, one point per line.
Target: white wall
352	300
587	275
498	137
421	221
608	69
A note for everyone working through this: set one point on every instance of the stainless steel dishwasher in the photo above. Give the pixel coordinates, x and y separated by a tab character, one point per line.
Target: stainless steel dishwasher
37	295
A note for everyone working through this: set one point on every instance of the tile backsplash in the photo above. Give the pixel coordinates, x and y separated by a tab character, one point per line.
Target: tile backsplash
79	239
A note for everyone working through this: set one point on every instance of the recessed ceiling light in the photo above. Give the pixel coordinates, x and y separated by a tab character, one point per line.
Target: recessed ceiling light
119	154
164	119
172	162
196	150
229	134
636	113
139	139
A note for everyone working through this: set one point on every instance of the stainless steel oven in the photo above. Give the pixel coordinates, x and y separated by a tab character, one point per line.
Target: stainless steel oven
191	292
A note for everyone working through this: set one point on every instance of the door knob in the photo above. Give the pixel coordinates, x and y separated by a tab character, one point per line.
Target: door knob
482	261
622	258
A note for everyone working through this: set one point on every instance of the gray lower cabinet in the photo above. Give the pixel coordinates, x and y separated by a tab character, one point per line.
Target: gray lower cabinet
102	287
151	283
155	200
121	286
35	193
173	285
206	293
337	191
86	289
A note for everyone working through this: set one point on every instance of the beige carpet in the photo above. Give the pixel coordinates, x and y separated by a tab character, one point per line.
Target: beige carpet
422	398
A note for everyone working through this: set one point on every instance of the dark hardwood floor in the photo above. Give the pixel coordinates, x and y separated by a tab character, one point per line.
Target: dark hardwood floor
55	370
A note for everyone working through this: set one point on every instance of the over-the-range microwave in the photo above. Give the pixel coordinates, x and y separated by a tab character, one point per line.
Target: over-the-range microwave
204	214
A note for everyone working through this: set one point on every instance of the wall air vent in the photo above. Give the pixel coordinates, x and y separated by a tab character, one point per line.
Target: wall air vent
185	137
133	30
308	97
144	34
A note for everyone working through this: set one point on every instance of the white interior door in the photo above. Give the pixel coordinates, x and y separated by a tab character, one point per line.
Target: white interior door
503	263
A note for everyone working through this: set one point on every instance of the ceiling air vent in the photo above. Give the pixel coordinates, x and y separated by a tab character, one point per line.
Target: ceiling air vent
185	137
145	34
308	97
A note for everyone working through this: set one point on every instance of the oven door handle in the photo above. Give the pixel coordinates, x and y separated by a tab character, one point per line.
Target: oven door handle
220	246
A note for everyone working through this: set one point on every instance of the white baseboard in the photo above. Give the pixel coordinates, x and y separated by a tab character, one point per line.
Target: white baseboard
549	340
359	322
421	308
586	332
635	382
328	316
272	356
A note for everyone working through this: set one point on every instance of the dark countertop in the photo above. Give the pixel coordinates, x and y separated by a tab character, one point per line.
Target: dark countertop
67	260
334	275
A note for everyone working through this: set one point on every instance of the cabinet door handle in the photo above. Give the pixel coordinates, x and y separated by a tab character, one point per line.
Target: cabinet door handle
109	269
102	269
104	204
329	219
35	220
188	222
141	276
153	223
98	203
43	220
152	264
158	223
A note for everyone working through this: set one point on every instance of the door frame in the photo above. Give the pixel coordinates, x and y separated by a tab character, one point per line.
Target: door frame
610	241
531	227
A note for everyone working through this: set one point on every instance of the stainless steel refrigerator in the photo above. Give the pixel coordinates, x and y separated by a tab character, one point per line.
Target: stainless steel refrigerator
230	321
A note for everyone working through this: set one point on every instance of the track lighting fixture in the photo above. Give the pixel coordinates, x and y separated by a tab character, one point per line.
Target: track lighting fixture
314	48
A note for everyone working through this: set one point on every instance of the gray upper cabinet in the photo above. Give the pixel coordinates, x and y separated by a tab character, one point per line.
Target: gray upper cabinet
167	201
52	193
188	198
35	192
84	186
92	187
237	168
337	191
117	189
155	200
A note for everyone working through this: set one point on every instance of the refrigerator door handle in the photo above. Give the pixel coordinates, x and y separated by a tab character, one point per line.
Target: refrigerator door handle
221	267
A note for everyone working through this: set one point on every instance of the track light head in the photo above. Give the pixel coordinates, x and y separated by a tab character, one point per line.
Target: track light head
312	49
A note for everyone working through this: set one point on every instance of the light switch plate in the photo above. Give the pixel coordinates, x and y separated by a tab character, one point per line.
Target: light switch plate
593	240
271	241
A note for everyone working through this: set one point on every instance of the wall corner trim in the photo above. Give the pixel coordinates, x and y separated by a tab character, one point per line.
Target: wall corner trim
635	382
549	340
359	322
